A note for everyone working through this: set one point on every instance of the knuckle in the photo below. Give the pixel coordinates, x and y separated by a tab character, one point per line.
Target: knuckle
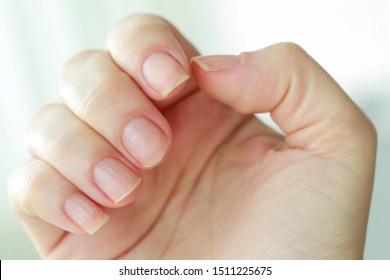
136	22
140	19
87	82
122	34
12	189
74	64
98	96
39	120
290	48
40	117
74	72
22	183
48	130
291	52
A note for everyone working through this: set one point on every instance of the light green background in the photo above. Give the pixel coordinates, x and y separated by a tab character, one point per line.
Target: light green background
351	39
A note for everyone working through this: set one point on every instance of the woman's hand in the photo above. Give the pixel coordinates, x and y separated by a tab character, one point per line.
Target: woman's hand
158	157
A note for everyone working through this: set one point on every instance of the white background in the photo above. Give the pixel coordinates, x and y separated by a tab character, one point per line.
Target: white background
350	39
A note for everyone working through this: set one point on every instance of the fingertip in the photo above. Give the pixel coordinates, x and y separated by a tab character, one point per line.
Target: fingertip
217	63
85	213
164	74
146	141
115	179
127	198
150	50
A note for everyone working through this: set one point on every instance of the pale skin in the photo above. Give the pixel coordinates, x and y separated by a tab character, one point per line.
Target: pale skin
153	154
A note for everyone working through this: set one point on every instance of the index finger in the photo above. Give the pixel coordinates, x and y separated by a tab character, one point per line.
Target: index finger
154	54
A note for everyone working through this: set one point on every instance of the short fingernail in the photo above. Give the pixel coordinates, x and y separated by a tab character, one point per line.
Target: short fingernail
145	141
214	63
85	213
115	179
163	72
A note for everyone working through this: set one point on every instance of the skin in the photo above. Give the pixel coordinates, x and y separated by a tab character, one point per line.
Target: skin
228	187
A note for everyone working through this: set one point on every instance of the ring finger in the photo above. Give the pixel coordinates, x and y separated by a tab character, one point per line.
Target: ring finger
82	156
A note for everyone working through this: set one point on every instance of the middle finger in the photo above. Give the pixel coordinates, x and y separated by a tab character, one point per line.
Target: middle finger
108	100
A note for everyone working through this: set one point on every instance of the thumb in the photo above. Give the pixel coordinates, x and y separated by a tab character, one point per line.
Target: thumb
304	101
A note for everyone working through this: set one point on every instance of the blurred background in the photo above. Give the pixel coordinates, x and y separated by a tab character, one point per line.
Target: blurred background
350	39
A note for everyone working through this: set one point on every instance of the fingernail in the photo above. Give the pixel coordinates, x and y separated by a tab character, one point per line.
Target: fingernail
85	213
115	179
214	63
145	141
163	72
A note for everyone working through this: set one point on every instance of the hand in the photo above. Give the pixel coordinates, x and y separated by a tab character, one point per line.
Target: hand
216	181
